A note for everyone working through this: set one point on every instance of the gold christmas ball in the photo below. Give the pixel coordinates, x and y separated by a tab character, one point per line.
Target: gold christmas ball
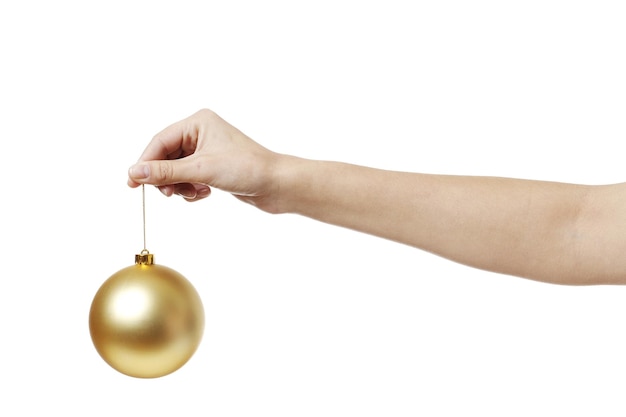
146	320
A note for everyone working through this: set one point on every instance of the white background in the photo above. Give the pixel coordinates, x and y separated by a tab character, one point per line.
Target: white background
304	319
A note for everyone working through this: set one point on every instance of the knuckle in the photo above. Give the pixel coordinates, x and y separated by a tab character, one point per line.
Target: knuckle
164	172
205	113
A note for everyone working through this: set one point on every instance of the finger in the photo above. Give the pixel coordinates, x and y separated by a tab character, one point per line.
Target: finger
166	190
175	141
192	192
132	183
164	172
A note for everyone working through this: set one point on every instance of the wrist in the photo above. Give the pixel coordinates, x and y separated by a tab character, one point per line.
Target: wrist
292	177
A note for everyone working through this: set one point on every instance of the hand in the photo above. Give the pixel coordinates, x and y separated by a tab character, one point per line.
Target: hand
204	151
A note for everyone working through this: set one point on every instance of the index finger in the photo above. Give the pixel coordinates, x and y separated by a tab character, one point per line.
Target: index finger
173	142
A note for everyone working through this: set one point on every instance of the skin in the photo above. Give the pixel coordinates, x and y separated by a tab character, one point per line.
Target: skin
551	232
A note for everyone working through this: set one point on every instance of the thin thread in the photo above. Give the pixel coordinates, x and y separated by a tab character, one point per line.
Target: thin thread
143	197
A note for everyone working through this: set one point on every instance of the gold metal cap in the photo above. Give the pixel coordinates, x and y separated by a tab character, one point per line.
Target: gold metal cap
144	258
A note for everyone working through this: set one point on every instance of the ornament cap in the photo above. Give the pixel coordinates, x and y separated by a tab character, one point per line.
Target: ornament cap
144	258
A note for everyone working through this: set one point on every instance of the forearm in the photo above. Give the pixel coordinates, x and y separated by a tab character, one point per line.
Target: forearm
516	227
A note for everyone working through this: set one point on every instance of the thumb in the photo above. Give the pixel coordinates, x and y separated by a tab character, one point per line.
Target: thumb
161	172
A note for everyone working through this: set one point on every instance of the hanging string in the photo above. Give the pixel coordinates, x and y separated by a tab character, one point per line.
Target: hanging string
144	257
143	197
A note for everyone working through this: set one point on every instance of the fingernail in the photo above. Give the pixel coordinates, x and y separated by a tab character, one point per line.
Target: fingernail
139	171
188	194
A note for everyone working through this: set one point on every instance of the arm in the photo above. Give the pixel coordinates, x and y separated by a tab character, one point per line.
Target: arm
552	232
